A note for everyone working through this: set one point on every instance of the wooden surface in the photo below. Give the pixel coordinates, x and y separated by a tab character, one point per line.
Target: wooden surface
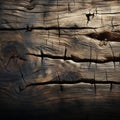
60	59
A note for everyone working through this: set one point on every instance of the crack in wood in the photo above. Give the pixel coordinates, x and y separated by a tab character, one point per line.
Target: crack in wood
75	58
82	80
88	16
47	28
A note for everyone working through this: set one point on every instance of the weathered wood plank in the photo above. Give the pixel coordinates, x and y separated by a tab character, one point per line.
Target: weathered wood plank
56	55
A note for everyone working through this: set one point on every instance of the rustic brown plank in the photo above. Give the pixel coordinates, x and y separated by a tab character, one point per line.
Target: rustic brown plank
60	56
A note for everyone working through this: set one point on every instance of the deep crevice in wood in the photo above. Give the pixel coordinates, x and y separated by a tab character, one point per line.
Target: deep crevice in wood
77	59
82	80
47	28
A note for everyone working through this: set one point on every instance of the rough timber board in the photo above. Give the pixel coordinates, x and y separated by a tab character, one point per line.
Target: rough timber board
60	55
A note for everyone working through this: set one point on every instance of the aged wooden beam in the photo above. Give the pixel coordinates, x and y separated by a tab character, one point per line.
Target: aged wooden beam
60	58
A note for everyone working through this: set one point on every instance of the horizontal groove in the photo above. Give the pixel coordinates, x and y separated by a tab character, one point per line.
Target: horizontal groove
45	28
91	81
76	59
62	82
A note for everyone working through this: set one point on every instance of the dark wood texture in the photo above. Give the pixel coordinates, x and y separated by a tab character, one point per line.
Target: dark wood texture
60	59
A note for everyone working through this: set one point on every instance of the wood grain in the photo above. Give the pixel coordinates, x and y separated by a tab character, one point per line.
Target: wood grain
60	56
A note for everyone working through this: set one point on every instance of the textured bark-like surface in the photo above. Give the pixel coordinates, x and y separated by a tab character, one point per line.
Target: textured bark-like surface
60	59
